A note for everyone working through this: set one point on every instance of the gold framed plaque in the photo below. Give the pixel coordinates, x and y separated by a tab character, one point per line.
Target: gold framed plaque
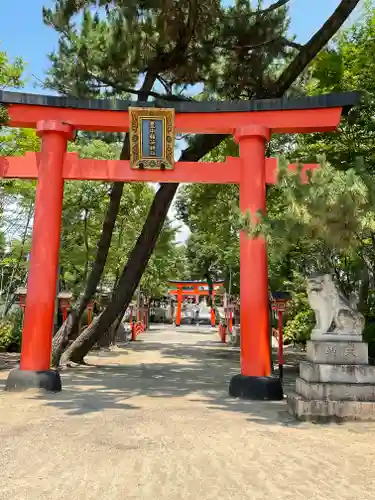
151	138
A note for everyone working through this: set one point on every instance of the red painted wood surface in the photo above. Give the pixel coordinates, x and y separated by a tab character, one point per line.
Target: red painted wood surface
41	286
281	121
185	293
213	317
280	350
252	172
75	168
255	358
179	308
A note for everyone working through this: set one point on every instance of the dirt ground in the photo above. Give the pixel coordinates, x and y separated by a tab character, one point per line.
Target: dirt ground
153	421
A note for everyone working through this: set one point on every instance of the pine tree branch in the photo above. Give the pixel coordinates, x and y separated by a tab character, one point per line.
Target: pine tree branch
151	93
166	85
311	49
168	60
279	40
270	8
120	88
201	145
262	12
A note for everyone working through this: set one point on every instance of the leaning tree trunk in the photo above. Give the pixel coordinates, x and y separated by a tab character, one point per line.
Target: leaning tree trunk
70	328
130	277
145	244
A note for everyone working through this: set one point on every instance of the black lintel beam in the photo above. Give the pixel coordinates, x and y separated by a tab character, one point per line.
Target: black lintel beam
345	100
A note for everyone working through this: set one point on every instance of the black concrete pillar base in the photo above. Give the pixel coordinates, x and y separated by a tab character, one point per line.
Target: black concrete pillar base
256	388
44	380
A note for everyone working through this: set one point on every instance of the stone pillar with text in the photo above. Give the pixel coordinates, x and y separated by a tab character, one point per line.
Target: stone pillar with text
335	380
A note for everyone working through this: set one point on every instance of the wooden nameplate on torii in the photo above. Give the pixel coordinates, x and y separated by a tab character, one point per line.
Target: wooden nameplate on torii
151	135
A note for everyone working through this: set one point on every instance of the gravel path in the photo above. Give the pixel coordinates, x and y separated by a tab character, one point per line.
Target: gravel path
153	422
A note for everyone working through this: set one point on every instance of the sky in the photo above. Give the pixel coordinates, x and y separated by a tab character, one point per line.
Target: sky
22	33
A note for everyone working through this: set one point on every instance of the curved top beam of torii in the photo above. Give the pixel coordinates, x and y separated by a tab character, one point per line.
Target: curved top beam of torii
303	114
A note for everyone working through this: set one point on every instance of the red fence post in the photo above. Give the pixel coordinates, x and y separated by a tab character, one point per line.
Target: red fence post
179	306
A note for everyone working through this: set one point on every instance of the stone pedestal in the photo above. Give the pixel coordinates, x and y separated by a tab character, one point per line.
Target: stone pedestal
335	383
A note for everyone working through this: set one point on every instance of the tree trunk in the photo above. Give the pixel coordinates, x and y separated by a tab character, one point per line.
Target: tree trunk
70	328
10	302
86	242
145	244
311	48
130	277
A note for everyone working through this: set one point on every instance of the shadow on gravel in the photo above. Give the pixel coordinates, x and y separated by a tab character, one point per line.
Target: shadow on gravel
202	373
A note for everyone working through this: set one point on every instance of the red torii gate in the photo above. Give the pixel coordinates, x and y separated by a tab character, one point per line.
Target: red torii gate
250	122
189	288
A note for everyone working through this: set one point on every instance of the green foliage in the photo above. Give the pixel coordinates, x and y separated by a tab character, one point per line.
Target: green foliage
10	77
167	262
17	142
345	65
83	214
233	51
299	318
16	197
327	224
16	213
11	331
6	333
10	72
298	329
108	48
330	222
211	213
333	207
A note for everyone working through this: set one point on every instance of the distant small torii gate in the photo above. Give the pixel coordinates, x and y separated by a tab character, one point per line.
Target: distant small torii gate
250	122
192	288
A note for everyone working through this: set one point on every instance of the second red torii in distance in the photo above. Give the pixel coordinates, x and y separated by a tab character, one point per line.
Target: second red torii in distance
193	288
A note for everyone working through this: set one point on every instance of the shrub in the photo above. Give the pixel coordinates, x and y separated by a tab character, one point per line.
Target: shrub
6	333
298	329
11	331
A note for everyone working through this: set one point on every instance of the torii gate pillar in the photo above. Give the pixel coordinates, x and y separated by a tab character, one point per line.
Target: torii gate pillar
254	316
41	287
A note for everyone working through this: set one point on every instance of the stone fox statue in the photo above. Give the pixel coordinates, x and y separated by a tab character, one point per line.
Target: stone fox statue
334	313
